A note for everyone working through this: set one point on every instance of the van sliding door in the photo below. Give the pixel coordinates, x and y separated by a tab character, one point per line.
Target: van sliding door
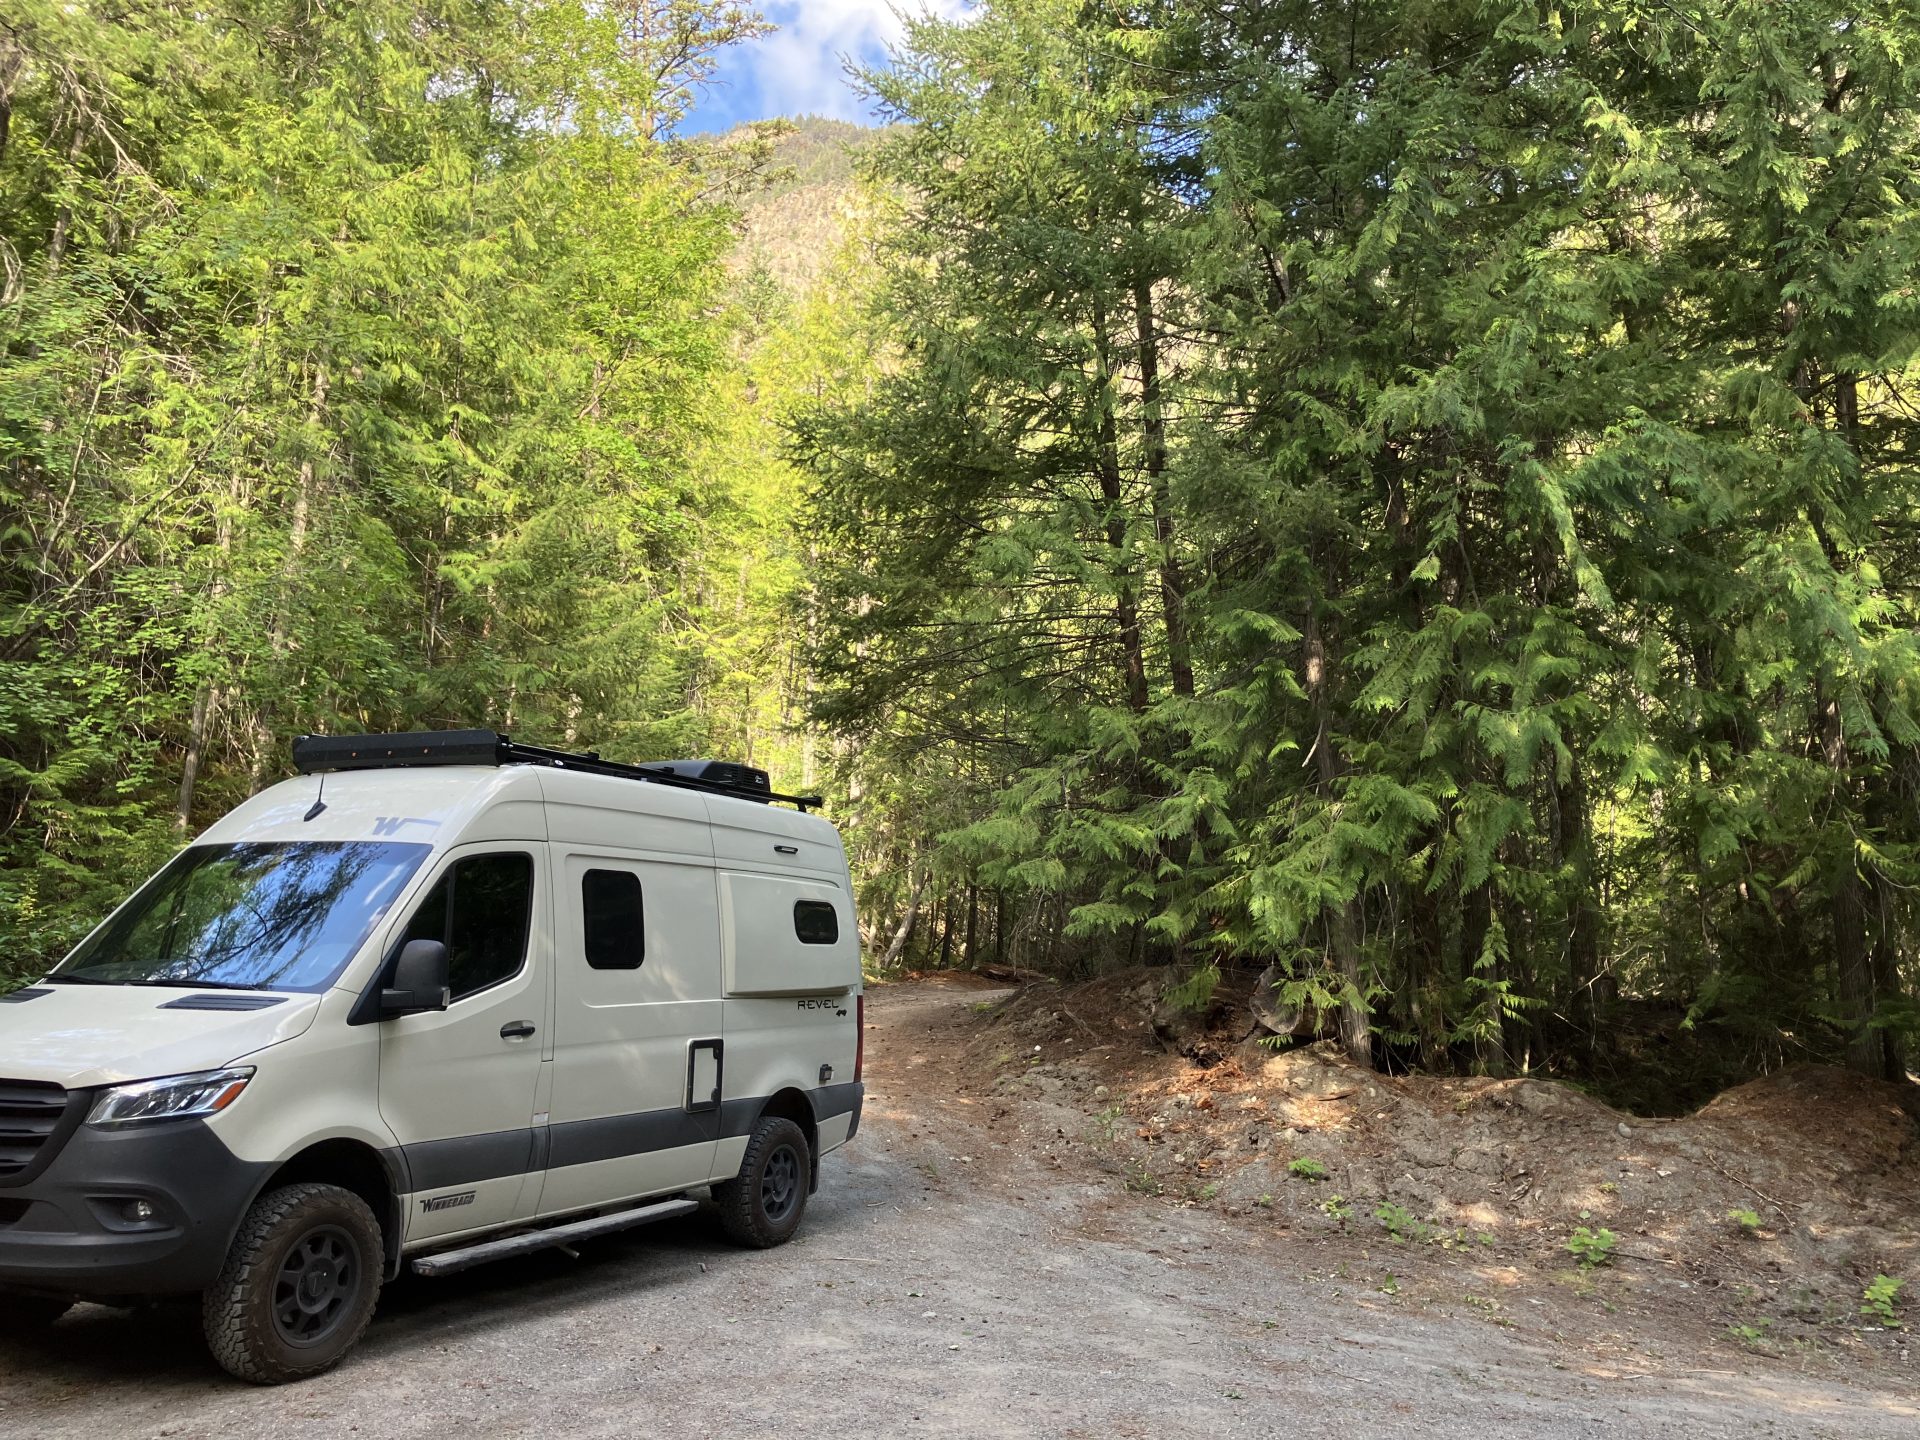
637	1052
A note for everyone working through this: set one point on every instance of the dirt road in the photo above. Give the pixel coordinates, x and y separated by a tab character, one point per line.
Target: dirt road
950	1280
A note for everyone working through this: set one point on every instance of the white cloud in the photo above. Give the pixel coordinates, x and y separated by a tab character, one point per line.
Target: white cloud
800	69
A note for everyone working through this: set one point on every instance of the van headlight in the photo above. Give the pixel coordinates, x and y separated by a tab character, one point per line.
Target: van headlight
175	1098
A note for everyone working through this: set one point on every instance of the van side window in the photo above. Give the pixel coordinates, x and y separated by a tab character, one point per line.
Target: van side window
614	919
481	910
815	922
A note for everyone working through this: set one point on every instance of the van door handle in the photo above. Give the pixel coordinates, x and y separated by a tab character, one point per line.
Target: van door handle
516	1030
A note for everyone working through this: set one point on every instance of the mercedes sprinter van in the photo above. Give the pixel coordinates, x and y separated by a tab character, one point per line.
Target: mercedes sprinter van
440	999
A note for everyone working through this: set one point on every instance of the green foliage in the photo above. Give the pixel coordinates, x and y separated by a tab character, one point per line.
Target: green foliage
1878	1299
1434	517
1400	1224
1337	1209
1303	1168
1592	1248
1195	993
1747	1220
345	385
1433	520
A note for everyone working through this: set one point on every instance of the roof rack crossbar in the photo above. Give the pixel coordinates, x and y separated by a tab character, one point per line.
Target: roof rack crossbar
314	753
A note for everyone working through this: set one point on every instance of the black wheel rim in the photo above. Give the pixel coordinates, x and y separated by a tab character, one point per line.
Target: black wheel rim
314	1291
780	1184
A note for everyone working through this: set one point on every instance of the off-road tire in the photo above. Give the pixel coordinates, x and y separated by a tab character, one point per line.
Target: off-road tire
289	1267
23	1315
765	1203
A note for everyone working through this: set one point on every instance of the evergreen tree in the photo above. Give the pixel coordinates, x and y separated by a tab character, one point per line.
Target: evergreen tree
1418	499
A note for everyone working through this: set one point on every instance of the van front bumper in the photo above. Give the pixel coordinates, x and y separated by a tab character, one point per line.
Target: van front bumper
74	1229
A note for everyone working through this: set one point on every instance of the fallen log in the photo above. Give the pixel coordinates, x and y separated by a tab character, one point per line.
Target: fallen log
1011	974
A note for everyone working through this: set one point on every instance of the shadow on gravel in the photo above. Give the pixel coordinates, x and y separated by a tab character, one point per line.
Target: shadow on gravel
161	1344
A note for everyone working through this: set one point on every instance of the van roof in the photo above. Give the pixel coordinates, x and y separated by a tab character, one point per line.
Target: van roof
419	807
424	749
440	804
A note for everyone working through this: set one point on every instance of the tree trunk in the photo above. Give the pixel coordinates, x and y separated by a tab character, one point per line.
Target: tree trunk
901	935
63	218
1852	964
1583	922
1107	473
1343	920
203	704
290	568
973	922
12	58
1476	920
209	697
1173	585
1886	972
1426	1001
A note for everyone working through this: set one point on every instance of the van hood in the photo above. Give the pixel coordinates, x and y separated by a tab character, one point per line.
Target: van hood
82	1036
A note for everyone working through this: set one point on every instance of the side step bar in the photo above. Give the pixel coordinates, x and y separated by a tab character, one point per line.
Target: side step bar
450	1262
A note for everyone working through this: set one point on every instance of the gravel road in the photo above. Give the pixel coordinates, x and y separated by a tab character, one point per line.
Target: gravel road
946	1283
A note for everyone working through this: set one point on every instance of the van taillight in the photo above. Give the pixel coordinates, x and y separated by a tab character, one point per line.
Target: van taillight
860	1044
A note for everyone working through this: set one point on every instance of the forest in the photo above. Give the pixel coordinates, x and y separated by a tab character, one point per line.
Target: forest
1413	501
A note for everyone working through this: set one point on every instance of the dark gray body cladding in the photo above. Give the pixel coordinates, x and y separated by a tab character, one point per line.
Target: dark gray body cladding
61	1231
469	1159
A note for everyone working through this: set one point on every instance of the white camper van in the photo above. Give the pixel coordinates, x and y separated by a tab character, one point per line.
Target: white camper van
441	999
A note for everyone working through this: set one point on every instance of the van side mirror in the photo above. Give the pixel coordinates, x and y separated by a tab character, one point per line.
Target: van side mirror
421	980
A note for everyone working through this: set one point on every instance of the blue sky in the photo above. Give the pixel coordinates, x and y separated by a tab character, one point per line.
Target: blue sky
800	68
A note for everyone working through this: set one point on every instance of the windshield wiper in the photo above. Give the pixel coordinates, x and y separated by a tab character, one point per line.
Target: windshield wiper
153	984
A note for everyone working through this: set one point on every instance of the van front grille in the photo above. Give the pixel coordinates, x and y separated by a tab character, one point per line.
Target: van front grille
30	1113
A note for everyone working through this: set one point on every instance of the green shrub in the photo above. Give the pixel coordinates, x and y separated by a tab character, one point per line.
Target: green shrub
1592	1248
1877	1300
1399	1223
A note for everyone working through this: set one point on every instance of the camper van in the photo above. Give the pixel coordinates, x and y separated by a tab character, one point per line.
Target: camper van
440	999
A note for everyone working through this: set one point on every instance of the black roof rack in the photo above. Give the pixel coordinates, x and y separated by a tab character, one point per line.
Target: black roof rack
419	748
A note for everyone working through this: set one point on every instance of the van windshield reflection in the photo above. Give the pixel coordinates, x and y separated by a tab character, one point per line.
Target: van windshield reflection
266	915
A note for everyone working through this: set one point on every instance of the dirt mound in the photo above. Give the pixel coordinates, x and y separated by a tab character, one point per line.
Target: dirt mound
1864	1127
1791	1191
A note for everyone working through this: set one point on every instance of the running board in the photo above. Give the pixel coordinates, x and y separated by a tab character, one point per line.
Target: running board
451	1262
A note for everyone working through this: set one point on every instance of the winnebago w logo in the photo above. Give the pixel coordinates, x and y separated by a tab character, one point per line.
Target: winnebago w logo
447	1202
394	824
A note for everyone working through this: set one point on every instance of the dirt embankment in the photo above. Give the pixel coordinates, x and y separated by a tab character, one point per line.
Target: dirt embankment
1764	1216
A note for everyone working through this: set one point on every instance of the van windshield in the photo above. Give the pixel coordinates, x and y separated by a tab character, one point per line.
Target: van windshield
267	915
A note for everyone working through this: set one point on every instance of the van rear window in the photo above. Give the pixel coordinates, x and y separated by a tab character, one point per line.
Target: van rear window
614	917
815	922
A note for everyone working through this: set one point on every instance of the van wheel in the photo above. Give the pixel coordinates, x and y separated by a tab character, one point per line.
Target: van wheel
762	1206
299	1285
22	1315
